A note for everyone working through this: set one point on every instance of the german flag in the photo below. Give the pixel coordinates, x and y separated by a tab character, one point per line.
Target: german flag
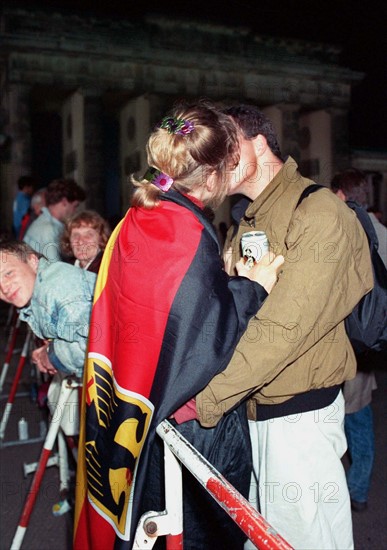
165	320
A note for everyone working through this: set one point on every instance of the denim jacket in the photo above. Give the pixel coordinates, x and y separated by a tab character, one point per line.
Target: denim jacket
59	311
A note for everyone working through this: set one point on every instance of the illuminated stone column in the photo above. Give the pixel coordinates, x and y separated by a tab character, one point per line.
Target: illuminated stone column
316	146
74	138
340	138
83	158
290	130
93	152
134	132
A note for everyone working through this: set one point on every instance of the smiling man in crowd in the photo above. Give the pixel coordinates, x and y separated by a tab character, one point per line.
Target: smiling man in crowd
54	299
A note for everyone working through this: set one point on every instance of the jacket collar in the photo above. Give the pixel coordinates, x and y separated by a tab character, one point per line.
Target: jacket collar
239	209
26	311
47	214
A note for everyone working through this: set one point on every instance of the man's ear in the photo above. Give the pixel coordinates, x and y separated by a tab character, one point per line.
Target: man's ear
260	145
33	261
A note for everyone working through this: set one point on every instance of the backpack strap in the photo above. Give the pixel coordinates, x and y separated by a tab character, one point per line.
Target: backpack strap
307	191
365	220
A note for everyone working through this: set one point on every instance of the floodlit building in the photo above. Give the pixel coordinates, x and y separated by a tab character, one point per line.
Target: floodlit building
79	95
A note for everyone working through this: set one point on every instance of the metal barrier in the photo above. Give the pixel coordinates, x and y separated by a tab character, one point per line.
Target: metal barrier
177	452
68	384
16	379
15	326
153	524
10	346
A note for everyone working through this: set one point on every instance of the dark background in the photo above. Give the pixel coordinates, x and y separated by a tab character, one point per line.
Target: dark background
359	27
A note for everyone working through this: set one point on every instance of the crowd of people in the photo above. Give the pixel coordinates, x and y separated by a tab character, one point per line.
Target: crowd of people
252	365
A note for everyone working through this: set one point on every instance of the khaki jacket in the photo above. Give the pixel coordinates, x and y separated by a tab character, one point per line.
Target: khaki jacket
297	341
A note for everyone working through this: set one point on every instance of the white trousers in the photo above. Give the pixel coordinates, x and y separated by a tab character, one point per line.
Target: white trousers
299	483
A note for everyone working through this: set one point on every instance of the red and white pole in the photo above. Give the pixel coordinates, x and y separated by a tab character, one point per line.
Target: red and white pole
16	379
10	347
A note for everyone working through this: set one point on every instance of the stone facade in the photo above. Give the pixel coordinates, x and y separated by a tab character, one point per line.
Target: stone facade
109	81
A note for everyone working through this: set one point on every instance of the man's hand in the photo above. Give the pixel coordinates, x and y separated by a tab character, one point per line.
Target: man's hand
41	360
265	272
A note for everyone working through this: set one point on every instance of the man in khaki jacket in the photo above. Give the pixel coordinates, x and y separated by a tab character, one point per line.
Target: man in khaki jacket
295	355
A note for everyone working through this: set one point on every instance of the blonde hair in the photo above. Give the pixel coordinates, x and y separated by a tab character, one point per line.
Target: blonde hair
212	147
91	219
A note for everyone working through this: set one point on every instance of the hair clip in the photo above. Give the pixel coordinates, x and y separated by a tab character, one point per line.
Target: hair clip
177	125
158	178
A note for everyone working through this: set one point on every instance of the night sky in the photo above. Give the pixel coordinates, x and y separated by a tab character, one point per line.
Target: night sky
359	27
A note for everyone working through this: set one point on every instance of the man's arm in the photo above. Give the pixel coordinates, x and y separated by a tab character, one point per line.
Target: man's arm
68	349
324	276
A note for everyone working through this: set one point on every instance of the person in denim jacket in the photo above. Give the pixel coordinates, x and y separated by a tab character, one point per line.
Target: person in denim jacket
63	197
54	299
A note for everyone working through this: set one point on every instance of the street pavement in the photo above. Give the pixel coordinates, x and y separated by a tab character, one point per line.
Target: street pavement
47	532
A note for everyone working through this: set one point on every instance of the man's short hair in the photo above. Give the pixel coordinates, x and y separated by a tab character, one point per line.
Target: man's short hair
17	248
26	181
64	189
353	184
253	122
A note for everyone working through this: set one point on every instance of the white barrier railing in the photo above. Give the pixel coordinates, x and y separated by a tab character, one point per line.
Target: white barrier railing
255	527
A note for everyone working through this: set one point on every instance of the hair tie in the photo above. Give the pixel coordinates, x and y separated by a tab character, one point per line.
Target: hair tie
158	178
177	125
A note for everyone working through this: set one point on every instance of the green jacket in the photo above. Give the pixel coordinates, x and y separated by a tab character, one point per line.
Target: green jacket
297	341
